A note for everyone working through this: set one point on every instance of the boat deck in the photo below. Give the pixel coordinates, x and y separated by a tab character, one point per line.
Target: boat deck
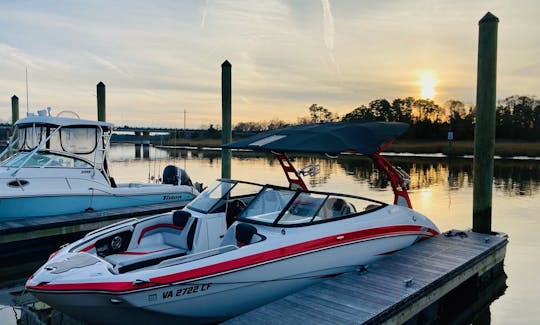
25	243
392	290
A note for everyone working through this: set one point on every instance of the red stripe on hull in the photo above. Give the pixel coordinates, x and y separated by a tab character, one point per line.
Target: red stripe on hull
246	261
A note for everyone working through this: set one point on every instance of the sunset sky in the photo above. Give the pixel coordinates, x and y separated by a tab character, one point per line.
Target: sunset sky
159	58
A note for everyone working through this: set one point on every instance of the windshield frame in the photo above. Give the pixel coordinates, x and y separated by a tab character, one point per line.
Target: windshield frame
297	193
212	188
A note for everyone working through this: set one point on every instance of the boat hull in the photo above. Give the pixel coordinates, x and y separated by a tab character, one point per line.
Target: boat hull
219	297
39	206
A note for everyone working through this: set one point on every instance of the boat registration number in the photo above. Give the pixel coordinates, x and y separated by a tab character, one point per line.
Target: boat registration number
186	291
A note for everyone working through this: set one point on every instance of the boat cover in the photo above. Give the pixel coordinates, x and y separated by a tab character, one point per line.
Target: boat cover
330	138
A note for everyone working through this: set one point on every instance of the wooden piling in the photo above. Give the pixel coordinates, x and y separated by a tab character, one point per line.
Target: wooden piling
484	132
101	101
14	109
226	132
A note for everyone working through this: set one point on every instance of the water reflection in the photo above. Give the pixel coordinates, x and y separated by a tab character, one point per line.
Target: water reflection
440	188
512	177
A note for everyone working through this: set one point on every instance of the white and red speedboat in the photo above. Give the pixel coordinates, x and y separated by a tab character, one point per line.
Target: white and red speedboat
238	245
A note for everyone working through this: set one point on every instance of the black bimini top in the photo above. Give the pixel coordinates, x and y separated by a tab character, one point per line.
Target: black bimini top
330	138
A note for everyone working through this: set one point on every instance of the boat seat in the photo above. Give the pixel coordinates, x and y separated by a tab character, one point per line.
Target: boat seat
163	230
157	251
337	207
244	234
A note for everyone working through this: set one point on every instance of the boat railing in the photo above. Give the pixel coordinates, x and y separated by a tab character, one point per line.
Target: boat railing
102	147
12	142
111	226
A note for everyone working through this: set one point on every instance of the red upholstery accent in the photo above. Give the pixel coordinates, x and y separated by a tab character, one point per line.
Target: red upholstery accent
87	248
159	225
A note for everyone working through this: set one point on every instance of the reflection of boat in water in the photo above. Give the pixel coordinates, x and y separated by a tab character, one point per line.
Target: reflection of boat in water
238	245
58	165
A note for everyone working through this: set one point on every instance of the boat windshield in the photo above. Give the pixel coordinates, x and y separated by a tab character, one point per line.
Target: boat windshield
281	206
214	198
73	146
76	140
44	159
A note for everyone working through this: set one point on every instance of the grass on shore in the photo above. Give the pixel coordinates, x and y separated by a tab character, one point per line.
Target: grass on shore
503	148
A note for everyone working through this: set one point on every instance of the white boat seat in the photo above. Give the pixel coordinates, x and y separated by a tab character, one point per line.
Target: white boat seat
155	248
160	230
337	207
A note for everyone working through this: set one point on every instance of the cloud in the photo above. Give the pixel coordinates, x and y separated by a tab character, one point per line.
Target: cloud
107	64
14	55
205	11
328	23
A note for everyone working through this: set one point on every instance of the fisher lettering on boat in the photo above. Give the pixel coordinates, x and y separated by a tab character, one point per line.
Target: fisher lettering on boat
172	197
186	291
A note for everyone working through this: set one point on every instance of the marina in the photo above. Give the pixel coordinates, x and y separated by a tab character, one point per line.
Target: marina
435	183
260	251
238	245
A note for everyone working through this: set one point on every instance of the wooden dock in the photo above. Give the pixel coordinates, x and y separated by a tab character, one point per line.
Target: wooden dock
404	287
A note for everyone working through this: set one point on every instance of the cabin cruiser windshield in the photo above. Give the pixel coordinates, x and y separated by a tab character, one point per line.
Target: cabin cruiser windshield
52	145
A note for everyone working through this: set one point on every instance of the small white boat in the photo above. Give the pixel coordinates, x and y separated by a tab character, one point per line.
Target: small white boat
58	165
238	245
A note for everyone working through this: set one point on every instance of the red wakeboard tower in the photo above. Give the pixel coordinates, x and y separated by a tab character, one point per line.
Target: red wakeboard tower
366	138
396	177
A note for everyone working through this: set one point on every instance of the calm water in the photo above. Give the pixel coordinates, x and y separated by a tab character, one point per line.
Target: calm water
439	188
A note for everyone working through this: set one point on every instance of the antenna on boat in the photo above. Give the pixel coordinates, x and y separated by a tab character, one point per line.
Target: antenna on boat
27	106
185	158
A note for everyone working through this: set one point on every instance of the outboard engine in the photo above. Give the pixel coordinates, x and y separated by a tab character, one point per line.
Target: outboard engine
175	176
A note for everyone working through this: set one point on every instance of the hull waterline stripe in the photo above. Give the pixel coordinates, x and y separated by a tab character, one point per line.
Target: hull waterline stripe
244	262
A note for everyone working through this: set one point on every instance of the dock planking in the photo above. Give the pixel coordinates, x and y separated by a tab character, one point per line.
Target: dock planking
391	290
31	228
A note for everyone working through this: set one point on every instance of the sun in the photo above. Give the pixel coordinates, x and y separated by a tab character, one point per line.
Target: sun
427	83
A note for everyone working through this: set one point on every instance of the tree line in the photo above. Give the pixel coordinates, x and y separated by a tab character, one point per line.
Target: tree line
517	117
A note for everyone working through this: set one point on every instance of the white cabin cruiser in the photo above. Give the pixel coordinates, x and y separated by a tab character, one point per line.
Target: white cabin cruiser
238	245
58	165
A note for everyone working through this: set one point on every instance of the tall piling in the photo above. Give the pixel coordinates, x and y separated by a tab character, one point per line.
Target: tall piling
100	89
14	109
484	131
226	130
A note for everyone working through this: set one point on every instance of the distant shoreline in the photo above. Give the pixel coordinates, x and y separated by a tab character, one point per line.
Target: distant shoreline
503	148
